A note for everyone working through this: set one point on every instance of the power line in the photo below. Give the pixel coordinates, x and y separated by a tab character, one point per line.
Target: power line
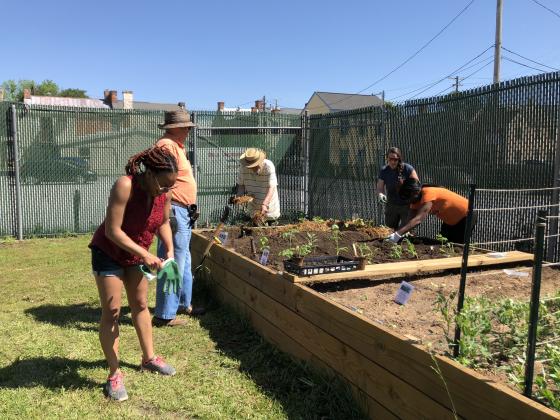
409	58
524	65
547	8
449	75
528	59
476	71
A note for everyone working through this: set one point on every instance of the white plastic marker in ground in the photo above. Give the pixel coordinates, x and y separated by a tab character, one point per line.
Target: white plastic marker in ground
223	238
514	273
264	256
404	292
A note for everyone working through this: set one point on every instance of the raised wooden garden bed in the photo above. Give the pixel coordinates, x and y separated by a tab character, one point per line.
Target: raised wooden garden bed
392	377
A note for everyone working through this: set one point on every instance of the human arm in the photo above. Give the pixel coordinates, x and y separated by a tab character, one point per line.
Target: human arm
118	199
268	197
381	191
416	217
164	232
414	175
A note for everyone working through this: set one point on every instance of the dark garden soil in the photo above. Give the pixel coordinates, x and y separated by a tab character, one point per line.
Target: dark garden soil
249	241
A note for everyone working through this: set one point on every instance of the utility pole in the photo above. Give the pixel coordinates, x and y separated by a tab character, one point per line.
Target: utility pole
498	43
456	84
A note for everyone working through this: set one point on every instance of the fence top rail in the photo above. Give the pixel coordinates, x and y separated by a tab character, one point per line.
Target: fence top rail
251	128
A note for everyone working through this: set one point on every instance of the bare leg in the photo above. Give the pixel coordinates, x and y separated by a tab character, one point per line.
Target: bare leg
110	288
136	287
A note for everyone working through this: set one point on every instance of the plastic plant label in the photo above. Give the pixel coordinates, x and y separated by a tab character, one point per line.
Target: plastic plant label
223	237
404	292
496	254
514	273
264	256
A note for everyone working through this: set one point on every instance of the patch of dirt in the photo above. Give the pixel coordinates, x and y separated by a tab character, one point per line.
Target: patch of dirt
240	238
418	320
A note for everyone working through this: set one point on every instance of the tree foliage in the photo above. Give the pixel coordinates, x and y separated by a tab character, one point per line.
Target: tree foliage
13	91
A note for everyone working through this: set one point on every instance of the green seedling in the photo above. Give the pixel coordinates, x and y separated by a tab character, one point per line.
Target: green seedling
263	243
396	251
446	247
289	235
410	248
287	253
336	236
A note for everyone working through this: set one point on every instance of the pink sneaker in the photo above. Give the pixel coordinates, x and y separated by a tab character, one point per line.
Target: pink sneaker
157	365
114	388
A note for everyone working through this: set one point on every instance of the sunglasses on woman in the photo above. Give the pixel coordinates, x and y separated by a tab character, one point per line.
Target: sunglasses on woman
161	189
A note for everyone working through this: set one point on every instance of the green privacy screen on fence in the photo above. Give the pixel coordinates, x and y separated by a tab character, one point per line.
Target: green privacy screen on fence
70	157
498	137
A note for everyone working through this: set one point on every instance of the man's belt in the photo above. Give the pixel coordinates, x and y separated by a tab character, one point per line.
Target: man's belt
191	208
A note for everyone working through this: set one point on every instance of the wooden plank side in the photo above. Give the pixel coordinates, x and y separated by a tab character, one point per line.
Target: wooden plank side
398	396
474	395
408	361
286	344
414	267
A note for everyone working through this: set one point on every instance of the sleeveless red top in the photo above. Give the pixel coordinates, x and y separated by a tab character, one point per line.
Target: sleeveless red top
139	223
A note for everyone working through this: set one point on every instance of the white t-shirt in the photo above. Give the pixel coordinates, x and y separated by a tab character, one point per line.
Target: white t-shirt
257	184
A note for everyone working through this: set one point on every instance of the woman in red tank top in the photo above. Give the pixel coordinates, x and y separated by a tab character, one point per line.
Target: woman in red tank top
138	209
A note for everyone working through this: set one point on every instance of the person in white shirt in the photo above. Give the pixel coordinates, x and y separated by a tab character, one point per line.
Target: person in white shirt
257	178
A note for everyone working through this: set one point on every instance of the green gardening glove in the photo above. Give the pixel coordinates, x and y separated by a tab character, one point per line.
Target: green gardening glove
170	276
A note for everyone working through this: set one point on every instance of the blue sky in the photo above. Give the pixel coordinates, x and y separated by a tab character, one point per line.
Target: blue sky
202	52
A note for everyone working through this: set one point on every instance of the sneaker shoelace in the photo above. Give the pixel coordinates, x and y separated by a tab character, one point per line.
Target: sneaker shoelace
156	360
116	381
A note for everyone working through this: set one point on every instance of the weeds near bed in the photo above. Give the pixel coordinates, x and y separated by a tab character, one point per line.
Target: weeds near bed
494	335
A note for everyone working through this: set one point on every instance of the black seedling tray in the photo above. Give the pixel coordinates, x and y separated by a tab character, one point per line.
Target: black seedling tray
321	265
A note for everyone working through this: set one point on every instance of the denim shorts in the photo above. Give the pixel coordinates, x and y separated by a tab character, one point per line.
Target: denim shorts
103	265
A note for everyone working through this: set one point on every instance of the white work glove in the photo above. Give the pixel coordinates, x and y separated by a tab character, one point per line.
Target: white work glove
394	237
382	198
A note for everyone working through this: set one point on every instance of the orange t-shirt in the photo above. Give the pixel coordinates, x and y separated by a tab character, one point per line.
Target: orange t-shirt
185	192
447	206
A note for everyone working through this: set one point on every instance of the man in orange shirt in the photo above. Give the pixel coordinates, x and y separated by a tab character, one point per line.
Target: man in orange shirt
177	126
447	206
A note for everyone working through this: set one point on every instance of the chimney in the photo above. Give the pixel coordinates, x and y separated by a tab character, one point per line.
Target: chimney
128	99
221	106
259	104
254	109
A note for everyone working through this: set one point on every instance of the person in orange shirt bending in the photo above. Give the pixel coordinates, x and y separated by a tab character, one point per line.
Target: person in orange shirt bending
449	207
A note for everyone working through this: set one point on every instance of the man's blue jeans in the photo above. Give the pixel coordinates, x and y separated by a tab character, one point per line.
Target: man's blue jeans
167	304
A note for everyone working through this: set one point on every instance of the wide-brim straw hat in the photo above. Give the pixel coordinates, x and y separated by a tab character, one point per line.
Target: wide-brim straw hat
252	157
175	119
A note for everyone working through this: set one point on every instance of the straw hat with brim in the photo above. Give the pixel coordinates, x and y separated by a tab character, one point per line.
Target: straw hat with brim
175	119
252	157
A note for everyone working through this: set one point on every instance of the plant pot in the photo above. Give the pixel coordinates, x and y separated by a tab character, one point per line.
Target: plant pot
361	262
298	261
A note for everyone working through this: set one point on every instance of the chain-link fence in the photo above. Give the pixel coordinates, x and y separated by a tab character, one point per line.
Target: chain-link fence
499	137
68	159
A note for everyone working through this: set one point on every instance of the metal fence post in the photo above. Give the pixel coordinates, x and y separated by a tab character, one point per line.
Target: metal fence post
464	267
195	139
552	248
19	210
306	151
540	228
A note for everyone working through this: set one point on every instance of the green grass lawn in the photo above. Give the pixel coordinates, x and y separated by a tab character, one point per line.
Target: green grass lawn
52	366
